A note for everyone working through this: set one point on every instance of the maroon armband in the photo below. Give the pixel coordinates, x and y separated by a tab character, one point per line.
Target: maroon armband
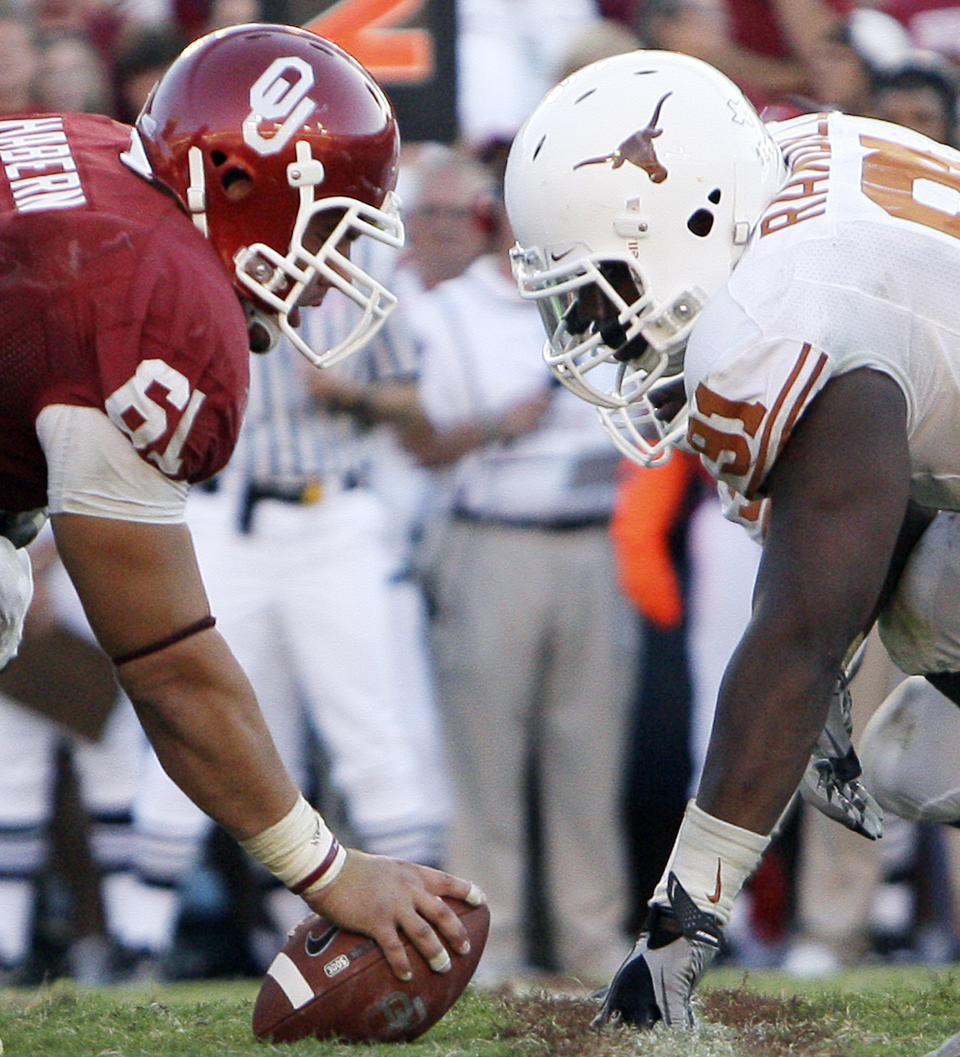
178	636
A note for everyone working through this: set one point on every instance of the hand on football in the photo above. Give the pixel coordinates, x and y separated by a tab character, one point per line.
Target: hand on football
390	900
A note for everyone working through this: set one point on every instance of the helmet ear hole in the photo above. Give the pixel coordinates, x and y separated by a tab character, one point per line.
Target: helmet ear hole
700	223
236	183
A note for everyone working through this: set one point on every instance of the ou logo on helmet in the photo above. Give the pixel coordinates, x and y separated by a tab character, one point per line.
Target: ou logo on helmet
279	94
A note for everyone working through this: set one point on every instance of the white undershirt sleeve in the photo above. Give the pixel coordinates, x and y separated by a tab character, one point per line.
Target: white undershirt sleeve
92	468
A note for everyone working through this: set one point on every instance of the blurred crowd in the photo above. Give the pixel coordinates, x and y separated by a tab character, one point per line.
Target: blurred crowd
542	629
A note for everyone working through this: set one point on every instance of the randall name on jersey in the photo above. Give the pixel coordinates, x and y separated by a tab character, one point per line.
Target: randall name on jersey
38	164
834	280
804	195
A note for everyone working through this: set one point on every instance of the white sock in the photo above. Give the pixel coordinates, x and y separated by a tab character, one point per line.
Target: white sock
153	921
16	919
712	860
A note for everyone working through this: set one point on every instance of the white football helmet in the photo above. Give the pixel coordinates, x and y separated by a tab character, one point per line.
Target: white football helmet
639	178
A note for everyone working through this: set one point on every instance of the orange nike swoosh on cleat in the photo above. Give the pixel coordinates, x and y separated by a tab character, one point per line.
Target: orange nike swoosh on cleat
714	897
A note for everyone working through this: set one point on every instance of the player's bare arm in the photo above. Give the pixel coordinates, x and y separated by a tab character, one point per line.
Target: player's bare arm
201	715
194	701
839	495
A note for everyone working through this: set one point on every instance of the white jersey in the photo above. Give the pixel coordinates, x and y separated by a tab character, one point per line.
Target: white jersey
856	263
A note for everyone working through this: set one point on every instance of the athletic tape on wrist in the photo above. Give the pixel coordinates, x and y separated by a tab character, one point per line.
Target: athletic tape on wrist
299	850
712	860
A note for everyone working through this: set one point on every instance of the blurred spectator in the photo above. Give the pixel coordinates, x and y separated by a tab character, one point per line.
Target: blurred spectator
624	11
933	25
878	37
19	61
99	21
231	13
72	75
921	94
603	38
840	76
195	17
149	14
767	46
142	55
446	194
67	777
508	53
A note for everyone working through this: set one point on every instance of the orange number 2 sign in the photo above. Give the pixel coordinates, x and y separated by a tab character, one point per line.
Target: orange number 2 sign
368	30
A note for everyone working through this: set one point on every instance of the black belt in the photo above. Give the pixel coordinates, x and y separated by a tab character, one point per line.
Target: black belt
557	524
296	493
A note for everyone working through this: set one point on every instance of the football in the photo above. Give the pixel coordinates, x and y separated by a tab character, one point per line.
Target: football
329	983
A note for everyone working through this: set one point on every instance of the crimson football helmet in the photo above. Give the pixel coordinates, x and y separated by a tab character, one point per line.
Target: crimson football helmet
282	149
632	190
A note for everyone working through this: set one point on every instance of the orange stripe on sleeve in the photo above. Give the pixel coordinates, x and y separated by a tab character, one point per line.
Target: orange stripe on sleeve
776	413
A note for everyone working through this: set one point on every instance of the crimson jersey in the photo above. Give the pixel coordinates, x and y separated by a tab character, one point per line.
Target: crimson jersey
111	299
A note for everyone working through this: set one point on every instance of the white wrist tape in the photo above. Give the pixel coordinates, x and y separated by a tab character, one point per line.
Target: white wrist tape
712	860
299	850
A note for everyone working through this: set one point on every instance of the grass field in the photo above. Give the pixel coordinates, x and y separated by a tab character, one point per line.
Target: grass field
865	1013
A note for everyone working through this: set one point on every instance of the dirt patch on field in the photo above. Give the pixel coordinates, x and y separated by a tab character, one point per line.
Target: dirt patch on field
770	1027
733	1023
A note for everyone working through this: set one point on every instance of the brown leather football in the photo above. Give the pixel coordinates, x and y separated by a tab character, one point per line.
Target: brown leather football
327	983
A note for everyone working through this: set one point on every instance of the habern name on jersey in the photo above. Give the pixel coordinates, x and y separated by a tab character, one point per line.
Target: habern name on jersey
37	161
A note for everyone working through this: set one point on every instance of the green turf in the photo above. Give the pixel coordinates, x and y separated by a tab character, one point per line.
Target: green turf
866	1013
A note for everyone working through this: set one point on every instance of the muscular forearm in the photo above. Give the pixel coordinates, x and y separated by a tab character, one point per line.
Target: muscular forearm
772	705
837	509
201	716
